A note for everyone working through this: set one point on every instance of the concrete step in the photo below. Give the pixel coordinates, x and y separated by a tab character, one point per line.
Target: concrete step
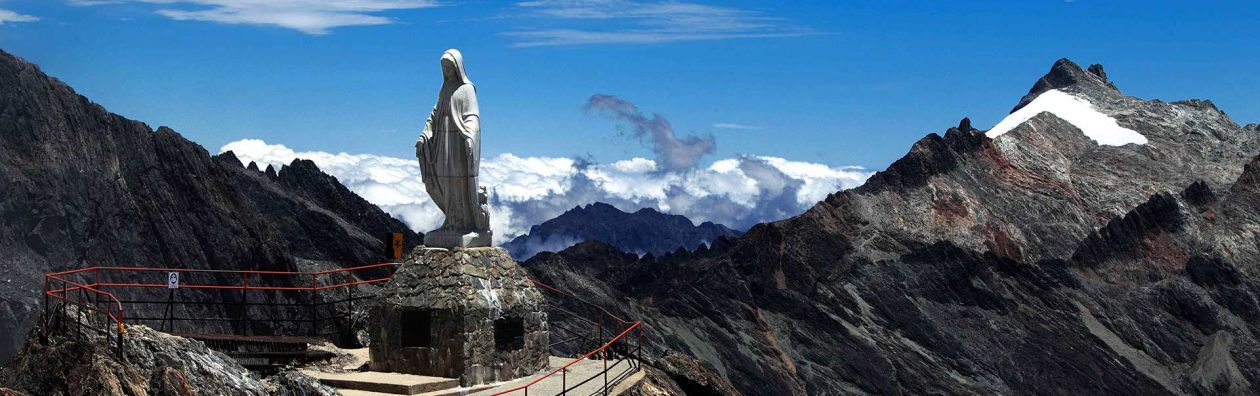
444	392
388	383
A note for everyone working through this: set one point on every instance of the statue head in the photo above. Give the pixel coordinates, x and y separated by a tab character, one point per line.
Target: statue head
453	67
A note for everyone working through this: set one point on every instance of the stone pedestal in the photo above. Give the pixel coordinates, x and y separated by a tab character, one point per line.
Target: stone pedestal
470	314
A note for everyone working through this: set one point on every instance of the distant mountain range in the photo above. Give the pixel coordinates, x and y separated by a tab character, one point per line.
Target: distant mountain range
645	231
80	186
1102	244
1095	243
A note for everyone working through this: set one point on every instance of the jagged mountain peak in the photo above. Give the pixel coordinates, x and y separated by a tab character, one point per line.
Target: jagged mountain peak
229	158
1065	74
965	125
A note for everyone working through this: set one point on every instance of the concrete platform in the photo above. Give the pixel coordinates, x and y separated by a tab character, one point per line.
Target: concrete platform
384	383
586	369
370	383
447	392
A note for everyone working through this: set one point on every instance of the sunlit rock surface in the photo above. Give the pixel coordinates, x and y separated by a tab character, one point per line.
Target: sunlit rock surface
1040	261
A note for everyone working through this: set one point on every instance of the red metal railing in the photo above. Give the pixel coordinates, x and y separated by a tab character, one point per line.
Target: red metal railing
606	349
90	297
77	293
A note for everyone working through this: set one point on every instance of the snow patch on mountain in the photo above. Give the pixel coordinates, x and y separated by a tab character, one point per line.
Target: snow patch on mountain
1078	111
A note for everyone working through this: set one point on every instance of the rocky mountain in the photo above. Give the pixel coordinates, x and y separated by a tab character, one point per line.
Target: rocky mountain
1097	244
645	231
80	186
58	360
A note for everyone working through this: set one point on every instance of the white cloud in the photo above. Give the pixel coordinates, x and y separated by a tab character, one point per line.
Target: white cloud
526	191
7	16
727	125
644	22
307	16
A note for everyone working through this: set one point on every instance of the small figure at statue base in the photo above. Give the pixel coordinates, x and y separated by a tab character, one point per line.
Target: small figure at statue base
455	239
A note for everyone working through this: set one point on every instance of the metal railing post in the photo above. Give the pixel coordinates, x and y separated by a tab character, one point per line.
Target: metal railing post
601	340
65	300
245	303
78	317
311	304
350	301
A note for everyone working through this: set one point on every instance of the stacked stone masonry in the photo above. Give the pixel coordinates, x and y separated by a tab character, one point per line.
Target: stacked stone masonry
470	314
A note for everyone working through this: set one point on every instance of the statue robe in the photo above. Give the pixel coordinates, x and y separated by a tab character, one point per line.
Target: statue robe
449	151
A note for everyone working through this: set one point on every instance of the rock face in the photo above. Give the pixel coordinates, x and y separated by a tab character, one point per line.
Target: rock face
80	186
1036	262
645	231
60	360
469	313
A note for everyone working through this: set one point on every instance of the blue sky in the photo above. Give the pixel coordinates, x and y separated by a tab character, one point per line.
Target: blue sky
836	83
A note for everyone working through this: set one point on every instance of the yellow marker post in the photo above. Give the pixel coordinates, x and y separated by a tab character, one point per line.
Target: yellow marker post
396	242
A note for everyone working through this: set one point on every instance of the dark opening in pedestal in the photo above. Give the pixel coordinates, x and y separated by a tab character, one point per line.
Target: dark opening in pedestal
509	334
417	328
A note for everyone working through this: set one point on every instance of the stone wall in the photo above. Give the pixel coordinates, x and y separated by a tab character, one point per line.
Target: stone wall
437	317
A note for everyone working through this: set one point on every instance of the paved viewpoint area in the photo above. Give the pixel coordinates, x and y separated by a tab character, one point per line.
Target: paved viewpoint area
369	383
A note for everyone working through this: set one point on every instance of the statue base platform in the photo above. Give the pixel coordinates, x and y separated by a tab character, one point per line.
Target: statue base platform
454	239
471	314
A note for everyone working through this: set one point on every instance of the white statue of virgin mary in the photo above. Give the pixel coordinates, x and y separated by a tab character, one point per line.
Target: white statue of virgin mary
449	151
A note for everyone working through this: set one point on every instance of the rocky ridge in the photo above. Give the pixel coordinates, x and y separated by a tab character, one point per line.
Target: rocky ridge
80	186
645	231
1036	262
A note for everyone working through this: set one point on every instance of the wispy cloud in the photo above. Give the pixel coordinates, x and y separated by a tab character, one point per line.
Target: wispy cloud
306	16
726	125
7	16
676	153
643	22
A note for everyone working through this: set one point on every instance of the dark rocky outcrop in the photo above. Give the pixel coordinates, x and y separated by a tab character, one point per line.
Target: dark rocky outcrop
61	358
645	231
80	186
1038	262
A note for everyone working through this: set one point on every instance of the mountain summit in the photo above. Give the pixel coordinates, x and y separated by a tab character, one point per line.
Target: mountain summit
1048	258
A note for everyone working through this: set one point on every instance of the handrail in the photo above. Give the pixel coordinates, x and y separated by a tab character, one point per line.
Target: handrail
236	272
117	317
84	287
632	327
114	311
610	314
110	314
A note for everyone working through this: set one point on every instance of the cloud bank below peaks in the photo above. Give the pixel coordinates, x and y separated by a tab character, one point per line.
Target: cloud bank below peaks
525	191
